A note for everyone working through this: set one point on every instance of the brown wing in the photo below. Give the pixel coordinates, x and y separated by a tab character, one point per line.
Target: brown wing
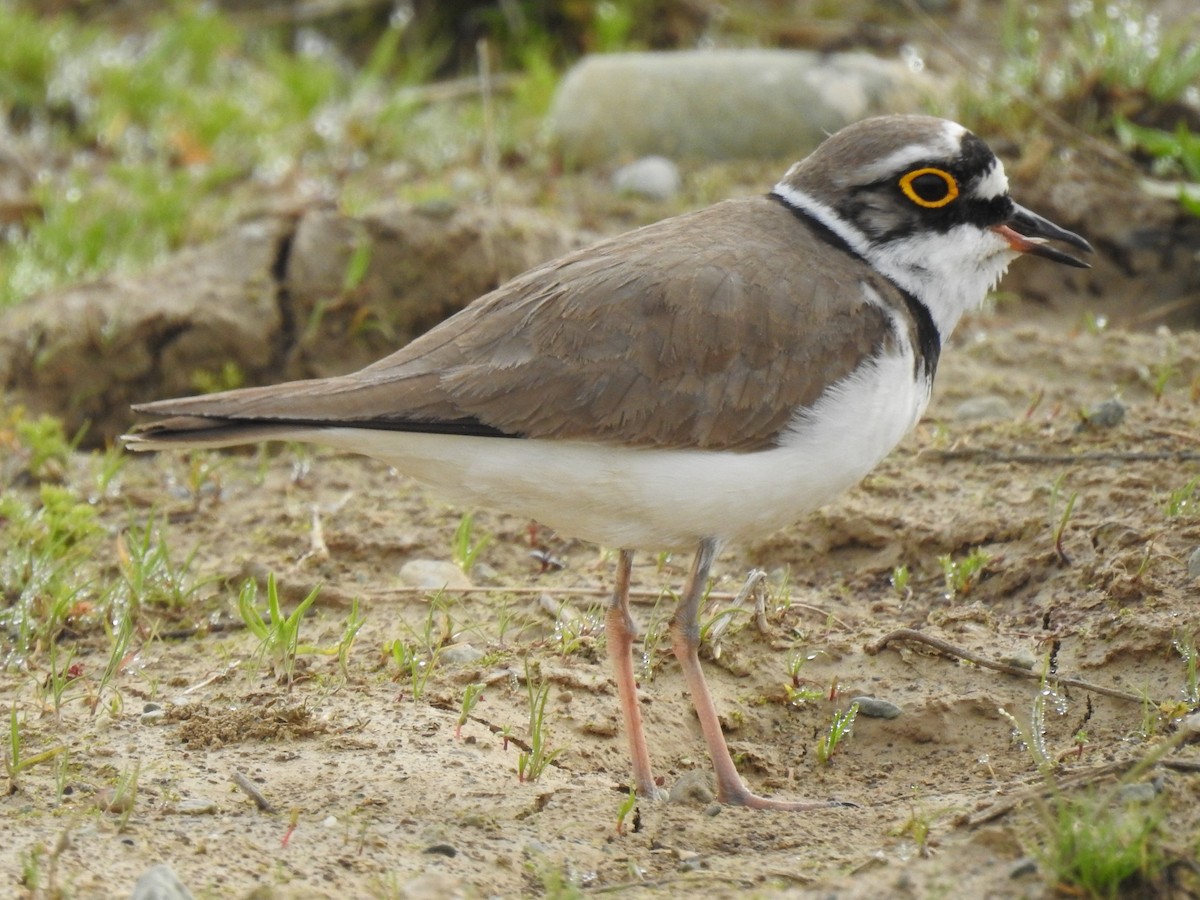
707	330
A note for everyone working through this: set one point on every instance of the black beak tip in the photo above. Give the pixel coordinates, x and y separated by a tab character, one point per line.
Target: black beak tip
1031	225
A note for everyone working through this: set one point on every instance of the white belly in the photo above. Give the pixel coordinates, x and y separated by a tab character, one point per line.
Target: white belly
663	499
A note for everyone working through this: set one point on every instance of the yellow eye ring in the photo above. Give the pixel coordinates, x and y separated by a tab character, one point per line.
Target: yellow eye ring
929	202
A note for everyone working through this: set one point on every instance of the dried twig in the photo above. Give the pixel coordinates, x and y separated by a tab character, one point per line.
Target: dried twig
948	649
244	782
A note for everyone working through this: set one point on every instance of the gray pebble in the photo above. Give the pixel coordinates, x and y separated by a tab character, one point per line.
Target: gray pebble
692	787
979	409
874	708
655	177
447	850
160	883
1194	564
433	574
1108	414
153	717
459	654
1020	660
1143	792
1027	865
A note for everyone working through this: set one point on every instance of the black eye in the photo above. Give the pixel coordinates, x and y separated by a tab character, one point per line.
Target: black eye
930	188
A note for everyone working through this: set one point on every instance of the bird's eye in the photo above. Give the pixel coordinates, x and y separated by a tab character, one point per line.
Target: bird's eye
931	188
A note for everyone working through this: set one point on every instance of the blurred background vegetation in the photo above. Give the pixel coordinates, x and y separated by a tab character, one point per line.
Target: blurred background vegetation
129	129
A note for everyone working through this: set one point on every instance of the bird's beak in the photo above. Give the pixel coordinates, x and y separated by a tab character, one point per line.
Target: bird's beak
1027	232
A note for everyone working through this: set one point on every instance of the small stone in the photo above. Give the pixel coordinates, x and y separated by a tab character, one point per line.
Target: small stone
1193	564
1191	724
150	706
1143	792
433	574
1025	866
979	409
160	883
460	654
653	177
692	787
153	717
446	850
1108	414
329	822
1019	660
874	708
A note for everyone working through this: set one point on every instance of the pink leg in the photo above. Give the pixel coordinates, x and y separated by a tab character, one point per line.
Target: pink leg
619	628
685	639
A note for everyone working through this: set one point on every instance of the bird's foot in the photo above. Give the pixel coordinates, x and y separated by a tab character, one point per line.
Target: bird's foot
743	796
652	793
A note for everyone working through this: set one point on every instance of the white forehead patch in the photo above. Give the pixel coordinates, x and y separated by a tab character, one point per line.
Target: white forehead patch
993	183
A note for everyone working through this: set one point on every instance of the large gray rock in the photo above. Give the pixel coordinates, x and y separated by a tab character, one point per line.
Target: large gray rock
722	104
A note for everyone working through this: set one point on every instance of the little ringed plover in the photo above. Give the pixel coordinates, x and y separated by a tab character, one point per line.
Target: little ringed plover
709	378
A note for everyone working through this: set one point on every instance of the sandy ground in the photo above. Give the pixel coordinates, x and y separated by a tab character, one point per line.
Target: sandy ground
372	793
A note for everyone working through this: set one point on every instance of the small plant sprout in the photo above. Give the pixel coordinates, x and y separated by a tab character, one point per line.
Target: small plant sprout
149	577
358	263
117	656
798	695
466	549
278	635
1185	645
722	624
1160	374
572	630
1182	501
1096	847
916	828
839	729
61	674
415	663
1080	740
354	622
471	695
961	575
795	663
1059	520
900	583
15	762
627	806
47	445
532	763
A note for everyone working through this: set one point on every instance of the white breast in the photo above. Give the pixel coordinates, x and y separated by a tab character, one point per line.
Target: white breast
664	499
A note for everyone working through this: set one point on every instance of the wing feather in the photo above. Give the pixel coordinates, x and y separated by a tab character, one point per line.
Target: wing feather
708	330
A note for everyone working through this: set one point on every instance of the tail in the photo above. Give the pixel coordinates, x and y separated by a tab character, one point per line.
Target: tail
203	432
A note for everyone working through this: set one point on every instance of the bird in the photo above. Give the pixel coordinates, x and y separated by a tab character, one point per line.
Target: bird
703	380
